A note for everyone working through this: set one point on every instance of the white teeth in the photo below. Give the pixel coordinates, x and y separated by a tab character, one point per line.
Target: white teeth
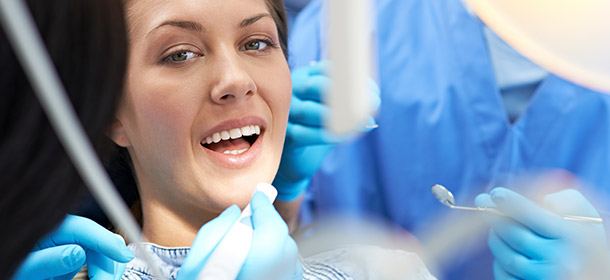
235	133
246	131
216	137
235	152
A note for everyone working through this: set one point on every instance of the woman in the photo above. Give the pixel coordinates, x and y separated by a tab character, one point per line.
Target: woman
204	117
87	43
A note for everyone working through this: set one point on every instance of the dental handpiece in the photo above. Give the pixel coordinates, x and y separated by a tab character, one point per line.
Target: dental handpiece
446	197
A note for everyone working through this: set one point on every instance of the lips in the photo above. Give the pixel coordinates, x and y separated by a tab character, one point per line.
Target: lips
234	143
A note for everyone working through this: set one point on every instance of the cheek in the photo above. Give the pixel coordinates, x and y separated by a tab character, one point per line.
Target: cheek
280	99
159	121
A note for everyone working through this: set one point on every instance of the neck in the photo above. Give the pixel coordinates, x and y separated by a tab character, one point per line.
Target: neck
171	226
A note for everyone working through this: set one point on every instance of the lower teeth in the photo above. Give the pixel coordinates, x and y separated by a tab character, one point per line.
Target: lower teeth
234	152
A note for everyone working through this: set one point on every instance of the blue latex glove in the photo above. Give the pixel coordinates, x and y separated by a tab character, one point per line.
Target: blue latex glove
273	254
535	243
307	143
77	240
206	240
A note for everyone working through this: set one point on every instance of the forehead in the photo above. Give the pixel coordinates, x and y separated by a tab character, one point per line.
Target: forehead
145	15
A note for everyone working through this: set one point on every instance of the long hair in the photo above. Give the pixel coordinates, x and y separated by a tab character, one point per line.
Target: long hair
88	45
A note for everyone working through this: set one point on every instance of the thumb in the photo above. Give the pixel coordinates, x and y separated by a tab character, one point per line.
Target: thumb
52	262
570	202
208	237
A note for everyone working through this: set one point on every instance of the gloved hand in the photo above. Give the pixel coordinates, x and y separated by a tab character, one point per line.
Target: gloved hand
206	240
77	240
533	242
307	143
273	253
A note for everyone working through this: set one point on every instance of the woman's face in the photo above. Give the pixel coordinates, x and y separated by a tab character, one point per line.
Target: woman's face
206	103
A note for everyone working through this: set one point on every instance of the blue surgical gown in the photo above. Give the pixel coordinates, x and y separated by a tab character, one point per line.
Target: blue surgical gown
442	121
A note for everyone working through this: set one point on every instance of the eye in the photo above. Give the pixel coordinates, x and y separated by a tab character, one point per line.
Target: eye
180	56
258	45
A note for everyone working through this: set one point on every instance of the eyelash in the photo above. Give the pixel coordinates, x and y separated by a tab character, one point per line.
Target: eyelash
270	44
167	59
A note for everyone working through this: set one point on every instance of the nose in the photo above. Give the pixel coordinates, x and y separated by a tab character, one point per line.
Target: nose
233	81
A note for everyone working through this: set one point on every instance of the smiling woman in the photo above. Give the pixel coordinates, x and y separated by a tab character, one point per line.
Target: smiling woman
203	116
200	117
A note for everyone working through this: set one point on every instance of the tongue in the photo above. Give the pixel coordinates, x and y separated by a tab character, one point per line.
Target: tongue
229	145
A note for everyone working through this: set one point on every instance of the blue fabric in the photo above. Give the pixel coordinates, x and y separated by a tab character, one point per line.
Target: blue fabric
442	121
511	68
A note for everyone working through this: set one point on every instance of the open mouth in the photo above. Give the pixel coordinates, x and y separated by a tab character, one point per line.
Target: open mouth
235	141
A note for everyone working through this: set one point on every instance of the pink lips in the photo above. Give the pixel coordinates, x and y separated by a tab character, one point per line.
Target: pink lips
242	160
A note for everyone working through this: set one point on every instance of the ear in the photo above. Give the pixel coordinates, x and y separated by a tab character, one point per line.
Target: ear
118	134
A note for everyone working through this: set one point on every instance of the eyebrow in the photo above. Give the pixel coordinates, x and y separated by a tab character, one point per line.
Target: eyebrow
194	26
184	24
253	19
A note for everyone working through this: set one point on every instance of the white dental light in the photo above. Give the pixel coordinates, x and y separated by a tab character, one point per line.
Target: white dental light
570	38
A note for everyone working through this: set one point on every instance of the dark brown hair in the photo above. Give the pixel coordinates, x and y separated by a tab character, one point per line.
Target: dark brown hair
87	43
278	13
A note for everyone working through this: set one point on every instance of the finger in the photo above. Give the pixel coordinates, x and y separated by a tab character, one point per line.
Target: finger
319	67
268	241
52	262
312	88
501	274
119	269
206	241
308	113
301	135
99	267
266	221
570	202
522	240
91	236
513	262
484	200
528	213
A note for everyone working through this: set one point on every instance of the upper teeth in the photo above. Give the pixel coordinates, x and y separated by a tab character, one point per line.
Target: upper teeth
233	133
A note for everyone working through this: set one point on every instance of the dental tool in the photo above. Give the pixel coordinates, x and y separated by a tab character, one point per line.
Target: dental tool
230	254
446	197
34	58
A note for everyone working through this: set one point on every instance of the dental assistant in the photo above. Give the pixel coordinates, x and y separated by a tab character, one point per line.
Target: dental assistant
459	107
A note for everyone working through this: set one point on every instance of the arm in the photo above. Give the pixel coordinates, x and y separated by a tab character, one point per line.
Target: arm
307	143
